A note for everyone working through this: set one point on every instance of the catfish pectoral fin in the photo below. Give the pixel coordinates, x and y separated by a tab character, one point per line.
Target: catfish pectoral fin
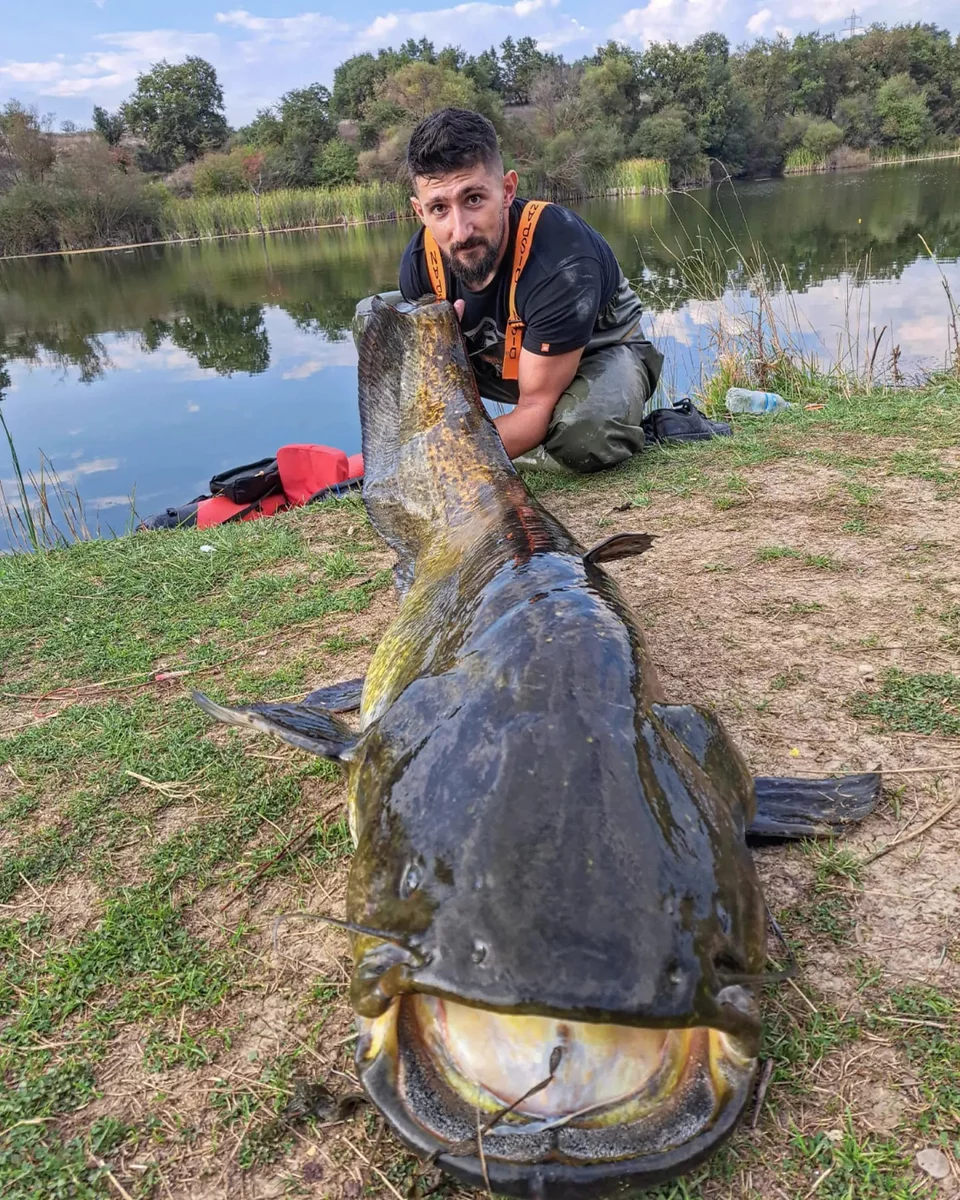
619	545
812	808
311	729
338	697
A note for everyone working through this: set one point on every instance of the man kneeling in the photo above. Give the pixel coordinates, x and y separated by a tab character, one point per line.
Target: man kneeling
551	323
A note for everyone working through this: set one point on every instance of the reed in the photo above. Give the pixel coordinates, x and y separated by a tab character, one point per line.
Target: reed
286	208
803	162
636	176
47	511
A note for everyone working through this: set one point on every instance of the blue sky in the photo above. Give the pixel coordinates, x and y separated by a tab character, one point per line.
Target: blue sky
67	55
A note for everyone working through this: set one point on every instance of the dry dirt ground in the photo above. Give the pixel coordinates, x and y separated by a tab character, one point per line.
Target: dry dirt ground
775	593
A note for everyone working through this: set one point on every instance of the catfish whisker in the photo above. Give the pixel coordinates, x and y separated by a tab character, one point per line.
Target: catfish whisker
352	927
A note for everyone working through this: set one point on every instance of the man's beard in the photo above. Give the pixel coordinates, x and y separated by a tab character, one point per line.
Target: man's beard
473	274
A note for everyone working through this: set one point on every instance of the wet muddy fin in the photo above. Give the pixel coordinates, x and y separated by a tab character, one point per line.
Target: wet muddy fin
812	808
311	729
338	697
619	545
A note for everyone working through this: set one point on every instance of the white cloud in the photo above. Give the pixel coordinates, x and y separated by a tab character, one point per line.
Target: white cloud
669	21
759	21
471	24
33	72
124	57
283	29
304	370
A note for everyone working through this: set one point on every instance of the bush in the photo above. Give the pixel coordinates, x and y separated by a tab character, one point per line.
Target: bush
220	174
28	220
388	163
103	200
337	164
821	138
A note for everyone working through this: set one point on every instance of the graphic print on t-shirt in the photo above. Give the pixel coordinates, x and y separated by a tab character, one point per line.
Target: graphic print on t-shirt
486	341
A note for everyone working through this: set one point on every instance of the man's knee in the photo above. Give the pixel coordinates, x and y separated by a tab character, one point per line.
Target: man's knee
586	445
598	421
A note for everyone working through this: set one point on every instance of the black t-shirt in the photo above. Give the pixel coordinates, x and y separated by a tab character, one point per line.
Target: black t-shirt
570	277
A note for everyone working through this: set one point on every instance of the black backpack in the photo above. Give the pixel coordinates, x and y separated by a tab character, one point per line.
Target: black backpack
682	422
246	485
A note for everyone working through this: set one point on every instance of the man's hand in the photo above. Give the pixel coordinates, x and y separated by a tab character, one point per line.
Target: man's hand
542	381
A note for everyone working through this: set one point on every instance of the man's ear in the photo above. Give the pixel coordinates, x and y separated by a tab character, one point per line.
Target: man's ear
511	182
417	207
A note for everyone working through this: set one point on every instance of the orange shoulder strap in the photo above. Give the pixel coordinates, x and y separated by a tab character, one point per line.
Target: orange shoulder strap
431	252
521	254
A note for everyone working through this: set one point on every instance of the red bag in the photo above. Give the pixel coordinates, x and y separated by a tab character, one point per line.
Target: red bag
306	469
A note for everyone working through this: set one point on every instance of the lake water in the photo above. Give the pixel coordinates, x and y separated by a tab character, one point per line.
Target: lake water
145	372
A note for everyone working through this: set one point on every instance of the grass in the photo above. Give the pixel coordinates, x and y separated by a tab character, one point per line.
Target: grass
913	703
144	1018
95	770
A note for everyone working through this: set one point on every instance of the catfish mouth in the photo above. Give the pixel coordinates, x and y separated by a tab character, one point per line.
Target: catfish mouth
622	1104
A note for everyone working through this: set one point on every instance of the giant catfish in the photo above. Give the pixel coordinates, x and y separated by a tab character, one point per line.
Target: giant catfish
558	931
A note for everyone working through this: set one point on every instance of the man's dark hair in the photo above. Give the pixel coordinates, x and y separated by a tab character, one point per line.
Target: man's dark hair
452	139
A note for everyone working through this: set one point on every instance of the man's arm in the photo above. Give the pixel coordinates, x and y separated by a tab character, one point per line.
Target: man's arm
542	380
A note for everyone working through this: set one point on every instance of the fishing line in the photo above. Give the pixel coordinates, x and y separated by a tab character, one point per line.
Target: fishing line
467	1144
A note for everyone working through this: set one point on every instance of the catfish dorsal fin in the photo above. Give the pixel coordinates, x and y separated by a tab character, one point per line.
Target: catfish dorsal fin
619	545
311	729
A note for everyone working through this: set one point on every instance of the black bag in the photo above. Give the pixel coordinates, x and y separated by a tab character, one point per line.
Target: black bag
174	518
684	422
244	485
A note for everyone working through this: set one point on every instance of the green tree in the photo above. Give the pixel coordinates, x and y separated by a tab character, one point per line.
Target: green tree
420	88
521	63
266	129
857	120
305	113
337	164
110	126
178	110
485	72
354	82
903	115
667	135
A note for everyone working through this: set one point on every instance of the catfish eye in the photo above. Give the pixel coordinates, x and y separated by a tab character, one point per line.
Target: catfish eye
479	951
412	879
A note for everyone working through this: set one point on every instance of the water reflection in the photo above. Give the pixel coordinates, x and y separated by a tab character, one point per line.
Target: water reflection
196	358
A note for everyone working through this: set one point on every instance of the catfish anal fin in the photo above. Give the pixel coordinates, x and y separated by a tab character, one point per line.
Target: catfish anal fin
338	697
311	729
812	808
619	545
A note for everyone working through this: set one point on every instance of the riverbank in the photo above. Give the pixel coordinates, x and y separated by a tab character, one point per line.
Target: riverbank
845	158
804	584
169	220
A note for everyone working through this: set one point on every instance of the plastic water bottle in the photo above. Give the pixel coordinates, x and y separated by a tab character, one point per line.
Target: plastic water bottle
742	400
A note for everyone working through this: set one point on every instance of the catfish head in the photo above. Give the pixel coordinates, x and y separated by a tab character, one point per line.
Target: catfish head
578	937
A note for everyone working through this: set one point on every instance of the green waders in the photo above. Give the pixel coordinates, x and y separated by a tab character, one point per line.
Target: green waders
597	422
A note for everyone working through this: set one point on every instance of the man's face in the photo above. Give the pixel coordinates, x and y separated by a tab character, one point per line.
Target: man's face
466	211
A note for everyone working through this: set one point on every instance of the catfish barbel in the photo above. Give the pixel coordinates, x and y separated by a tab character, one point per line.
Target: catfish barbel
559	934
